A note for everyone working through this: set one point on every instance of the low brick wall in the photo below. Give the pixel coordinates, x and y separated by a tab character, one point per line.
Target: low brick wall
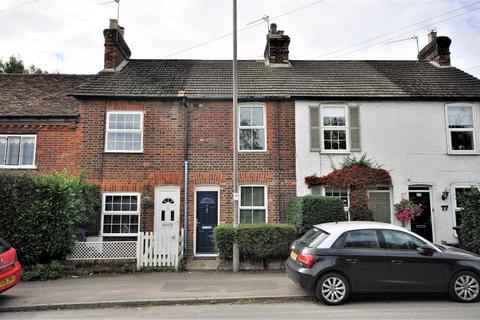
247	265
100	266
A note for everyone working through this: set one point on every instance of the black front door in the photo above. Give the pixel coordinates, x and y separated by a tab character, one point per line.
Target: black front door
207	220
422	225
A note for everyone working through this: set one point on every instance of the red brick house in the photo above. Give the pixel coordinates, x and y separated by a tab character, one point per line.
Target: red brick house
157	138
38	123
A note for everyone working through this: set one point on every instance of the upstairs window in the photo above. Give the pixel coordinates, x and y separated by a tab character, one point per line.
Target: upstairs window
124	132
461	129
17	151
334	128
252	133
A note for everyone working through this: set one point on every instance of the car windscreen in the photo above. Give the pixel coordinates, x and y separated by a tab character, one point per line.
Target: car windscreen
4	246
313	237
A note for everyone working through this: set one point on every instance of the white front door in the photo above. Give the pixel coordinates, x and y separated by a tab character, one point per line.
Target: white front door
167	208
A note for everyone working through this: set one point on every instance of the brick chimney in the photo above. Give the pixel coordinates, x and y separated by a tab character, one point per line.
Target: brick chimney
116	49
437	50
276	50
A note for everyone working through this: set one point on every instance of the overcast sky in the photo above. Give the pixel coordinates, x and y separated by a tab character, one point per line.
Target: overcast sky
67	35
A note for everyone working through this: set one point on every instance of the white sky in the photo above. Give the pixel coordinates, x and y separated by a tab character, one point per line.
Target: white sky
67	35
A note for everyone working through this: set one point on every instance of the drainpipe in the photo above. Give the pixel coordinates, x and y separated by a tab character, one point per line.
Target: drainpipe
185	180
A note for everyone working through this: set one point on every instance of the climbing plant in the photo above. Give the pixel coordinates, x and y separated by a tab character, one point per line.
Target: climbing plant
358	175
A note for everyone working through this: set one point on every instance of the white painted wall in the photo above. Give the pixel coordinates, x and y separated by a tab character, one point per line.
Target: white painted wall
410	140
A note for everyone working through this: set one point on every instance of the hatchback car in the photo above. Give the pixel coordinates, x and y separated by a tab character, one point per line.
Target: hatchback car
10	268
336	259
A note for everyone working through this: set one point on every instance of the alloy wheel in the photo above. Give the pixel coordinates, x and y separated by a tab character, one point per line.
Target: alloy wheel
333	289
466	287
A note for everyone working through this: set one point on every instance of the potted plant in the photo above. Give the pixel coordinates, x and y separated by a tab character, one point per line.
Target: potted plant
407	210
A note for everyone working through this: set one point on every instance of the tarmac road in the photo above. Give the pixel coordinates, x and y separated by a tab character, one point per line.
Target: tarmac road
358	308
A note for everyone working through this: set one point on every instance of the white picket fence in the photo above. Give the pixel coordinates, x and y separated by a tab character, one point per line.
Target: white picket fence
164	249
151	249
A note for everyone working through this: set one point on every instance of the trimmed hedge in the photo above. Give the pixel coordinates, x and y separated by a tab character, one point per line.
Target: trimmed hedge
304	212
470	227
39	214
256	242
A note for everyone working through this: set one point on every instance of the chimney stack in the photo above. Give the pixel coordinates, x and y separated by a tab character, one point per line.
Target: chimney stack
437	50
276	50
116	49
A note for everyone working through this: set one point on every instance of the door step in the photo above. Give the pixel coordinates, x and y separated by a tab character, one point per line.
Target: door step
202	264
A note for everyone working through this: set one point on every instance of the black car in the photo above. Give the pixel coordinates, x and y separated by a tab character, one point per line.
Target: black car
336	259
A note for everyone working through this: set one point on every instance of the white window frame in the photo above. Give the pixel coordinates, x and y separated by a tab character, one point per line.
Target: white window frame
474	130
107	131
104	197
265	198
32	166
324	128
264	127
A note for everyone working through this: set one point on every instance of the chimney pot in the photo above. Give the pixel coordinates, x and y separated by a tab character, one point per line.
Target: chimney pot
437	50
273	28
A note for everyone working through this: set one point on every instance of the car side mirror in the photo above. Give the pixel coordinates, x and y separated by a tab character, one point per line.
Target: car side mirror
426	249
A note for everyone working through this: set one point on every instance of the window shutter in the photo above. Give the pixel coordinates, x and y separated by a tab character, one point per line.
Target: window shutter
354	128
314	128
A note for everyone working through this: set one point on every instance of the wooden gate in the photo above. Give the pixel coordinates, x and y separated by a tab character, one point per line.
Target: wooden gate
160	249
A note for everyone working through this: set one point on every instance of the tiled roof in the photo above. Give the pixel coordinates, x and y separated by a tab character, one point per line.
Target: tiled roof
316	79
38	95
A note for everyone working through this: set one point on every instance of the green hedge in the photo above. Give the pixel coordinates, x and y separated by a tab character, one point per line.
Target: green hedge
256	242
304	212
470	227
40	213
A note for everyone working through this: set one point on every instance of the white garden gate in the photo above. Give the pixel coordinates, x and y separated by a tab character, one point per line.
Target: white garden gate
159	249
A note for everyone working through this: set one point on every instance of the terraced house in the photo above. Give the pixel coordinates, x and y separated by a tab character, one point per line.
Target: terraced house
162	130
156	135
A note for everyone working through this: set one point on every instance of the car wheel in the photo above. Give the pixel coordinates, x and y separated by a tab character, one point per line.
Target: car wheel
464	287
332	289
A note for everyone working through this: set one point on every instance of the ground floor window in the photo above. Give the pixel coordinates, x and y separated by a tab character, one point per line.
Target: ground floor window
340	193
17	151
120	213
253	204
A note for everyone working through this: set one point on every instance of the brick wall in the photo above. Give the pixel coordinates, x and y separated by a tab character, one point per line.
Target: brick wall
57	146
209	153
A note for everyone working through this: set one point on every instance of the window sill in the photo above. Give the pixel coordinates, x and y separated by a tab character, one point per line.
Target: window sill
252	151
118	234
334	151
128	152
18	167
463	153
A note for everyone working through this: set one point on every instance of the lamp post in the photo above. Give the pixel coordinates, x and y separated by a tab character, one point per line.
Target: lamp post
236	254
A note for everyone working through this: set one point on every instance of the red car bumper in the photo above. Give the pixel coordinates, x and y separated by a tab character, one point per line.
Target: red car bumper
10	277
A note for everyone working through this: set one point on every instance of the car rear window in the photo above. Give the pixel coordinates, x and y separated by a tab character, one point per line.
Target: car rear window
313	237
4	246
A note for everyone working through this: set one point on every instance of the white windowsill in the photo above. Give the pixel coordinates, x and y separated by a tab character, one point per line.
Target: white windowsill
123	151
17	167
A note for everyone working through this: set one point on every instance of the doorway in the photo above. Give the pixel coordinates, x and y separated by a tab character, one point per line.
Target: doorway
422	225
206	212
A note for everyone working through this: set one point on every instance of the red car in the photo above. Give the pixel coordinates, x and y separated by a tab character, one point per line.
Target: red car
10	268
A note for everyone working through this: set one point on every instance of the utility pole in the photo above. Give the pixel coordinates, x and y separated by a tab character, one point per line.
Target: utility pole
236	253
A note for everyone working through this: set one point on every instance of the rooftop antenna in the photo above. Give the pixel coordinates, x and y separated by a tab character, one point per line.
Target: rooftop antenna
118	7
411	38
118	12
265	18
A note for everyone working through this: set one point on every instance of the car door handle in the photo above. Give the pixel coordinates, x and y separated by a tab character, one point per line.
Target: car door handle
352	260
397	261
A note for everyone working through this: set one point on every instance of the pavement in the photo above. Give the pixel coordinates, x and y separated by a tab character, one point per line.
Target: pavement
150	289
